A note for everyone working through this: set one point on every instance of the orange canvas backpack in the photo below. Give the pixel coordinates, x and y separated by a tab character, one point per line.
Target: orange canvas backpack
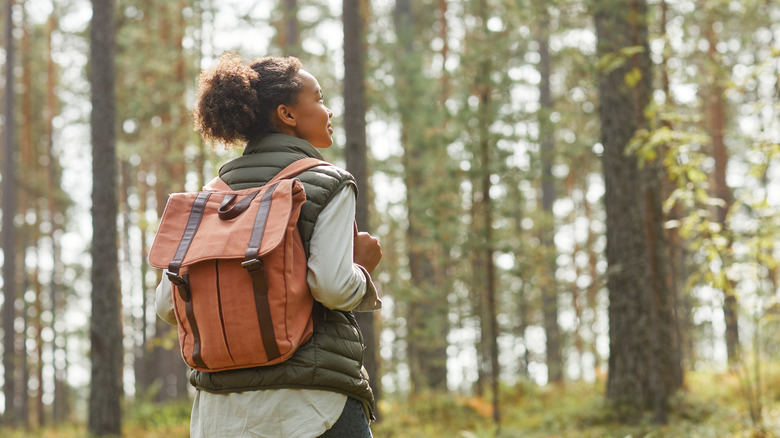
238	269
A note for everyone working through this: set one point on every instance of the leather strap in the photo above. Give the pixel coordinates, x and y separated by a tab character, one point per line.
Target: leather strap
229	210
256	270
256	239
255	266
263	308
182	283
193	222
196	354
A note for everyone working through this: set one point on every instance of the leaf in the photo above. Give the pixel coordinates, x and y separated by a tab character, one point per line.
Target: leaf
633	77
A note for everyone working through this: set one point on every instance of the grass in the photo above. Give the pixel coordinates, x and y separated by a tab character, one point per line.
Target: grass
712	405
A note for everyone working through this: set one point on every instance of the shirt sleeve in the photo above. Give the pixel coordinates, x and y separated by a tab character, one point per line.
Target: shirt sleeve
163	301
334	279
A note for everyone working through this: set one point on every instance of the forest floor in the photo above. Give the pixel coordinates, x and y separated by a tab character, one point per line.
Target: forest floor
711	405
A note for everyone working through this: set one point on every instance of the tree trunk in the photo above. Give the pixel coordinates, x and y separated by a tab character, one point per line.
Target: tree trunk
642	325
52	185
677	253
356	154
290	41
427	323
9	237
521	272
24	382
484	171
105	327
548	283
716	126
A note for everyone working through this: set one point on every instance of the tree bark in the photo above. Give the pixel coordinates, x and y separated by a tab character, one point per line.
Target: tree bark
427	323
642	324
9	237
549	283
105	327
716	126
484	88
52	186
290	41
356	153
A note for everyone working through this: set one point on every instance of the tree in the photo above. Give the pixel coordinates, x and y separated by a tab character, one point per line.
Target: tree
547	229
714	105
290	38
425	171
356	152
153	77
643	364
56	207
9	213
483	205
105	327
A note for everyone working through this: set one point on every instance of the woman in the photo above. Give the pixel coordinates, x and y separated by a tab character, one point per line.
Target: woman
274	110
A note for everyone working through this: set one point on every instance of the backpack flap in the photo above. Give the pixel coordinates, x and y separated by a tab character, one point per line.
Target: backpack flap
215	238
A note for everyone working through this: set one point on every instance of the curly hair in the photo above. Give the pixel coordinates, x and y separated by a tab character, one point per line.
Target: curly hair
237	102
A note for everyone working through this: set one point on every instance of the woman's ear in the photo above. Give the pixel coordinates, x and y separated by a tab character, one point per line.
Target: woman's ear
285	115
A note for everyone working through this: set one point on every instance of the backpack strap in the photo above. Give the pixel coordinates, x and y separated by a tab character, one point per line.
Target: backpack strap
294	169
298	167
254	266
216	184
182	283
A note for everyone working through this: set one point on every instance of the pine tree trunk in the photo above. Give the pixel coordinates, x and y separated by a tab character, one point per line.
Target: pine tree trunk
485	111
549	283
716	126
678	270
9	213
427	323
23	355
27	205
52	185
356	154
642	363
290	41
522	274
105	327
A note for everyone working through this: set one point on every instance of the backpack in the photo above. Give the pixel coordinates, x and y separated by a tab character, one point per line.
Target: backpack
238	269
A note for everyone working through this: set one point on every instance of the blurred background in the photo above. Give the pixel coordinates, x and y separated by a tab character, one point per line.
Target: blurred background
577	203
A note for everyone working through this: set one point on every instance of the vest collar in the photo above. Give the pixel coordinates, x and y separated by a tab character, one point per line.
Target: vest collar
281	142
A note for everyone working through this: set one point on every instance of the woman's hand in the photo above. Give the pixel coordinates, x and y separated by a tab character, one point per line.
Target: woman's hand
366	252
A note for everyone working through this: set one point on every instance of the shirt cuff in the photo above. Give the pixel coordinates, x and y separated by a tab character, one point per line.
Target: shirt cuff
163	300
371	301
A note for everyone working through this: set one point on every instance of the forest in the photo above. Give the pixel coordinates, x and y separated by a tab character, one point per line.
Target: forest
577	201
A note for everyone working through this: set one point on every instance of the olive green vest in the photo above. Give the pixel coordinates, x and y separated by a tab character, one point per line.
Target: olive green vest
333	358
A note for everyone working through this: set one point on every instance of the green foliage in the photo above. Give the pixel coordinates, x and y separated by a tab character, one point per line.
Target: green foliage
710	407
149	416
615	60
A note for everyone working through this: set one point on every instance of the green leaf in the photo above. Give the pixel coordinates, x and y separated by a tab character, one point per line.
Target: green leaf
633	77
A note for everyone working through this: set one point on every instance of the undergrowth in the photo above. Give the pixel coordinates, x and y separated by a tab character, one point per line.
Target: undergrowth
710	406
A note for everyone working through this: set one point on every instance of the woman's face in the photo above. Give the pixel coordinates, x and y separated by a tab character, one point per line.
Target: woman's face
312	117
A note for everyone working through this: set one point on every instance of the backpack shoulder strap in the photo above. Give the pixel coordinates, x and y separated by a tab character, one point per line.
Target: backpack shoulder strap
294	169
297	168
216	184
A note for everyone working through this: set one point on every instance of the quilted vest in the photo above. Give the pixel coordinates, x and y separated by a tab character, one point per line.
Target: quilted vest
333	358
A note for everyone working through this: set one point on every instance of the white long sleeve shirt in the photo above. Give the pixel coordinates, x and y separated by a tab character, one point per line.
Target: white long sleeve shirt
337	283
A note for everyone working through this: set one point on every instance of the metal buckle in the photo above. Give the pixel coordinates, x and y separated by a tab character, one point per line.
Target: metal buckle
175	279
181	286
253	265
